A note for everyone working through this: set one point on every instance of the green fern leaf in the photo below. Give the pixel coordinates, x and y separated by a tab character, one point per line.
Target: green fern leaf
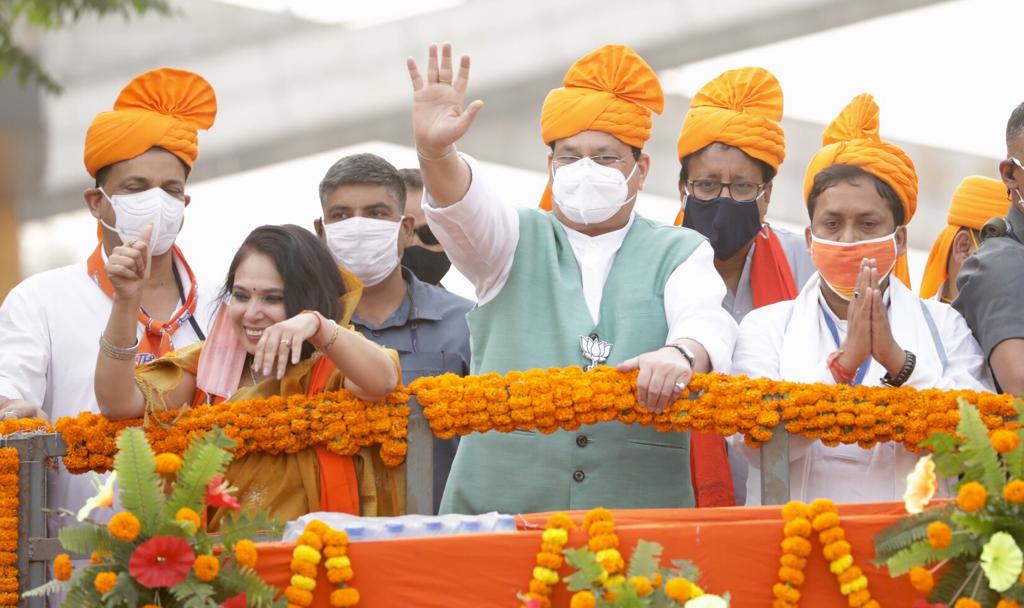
46	589
241	525
905	532
946	585
84	539
921	553
232	581
588	570
203	459
140	489
981	457
124	593
190	593
645	560
1014	459
684	568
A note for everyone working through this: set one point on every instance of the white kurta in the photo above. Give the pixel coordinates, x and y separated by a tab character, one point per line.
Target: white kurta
791	341
480	234
50	326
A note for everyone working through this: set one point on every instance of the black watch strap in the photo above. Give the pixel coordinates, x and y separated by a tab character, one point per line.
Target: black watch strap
904	374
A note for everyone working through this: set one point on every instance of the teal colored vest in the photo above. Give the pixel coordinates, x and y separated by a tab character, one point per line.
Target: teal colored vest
536	322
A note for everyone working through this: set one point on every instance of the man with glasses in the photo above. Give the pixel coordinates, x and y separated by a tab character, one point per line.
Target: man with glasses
366	226
588	283
991	282
730	148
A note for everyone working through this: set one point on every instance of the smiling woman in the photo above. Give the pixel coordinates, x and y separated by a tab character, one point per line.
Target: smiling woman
281	330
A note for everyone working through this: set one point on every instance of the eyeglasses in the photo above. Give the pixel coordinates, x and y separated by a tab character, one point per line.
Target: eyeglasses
708	190
605	160
1014	160
426	235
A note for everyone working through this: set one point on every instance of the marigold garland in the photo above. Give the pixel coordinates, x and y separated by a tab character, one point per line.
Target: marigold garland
10	462
795	549
603	541
549	560
319	541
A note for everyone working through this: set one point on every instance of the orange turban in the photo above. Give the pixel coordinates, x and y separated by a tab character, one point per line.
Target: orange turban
741	108
161	108
977	199
852	139
611	89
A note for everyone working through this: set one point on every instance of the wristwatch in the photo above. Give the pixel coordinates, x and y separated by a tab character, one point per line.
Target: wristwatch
685	352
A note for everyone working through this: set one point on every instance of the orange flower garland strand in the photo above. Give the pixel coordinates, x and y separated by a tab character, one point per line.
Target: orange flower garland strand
549	559
795	549
339	569
9	465
318	541
604	543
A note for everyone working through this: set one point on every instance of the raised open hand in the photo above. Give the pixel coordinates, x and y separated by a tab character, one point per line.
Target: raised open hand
884	347
857	346
438	117
128	265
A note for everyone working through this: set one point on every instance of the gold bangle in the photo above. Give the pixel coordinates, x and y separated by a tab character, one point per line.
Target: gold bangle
116	352
451	148
330	342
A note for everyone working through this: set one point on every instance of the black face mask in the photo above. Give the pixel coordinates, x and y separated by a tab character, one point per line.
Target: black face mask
428	266
727	223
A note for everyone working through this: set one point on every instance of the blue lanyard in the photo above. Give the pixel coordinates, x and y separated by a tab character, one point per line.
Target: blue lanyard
835	337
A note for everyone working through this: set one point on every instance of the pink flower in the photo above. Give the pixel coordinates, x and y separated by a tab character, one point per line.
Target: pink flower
235	602
162	561
531	603
218	494
920	602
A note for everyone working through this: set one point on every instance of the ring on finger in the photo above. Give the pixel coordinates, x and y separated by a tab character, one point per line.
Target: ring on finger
286	341
681	385
856	295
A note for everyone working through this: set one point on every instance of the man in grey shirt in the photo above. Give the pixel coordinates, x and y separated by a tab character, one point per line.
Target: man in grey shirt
991	282
365	226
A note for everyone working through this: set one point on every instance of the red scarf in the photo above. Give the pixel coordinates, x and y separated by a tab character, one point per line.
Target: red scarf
157	339
771	279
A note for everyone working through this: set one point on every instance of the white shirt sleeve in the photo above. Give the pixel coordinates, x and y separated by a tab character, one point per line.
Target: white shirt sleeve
479	233
965	368
693	308
24	347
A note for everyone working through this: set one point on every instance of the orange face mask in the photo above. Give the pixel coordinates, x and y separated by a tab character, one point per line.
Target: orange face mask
839	263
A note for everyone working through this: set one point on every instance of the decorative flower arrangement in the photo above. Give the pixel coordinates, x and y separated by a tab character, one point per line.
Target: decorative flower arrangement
9	465
602	578
967	553
156	552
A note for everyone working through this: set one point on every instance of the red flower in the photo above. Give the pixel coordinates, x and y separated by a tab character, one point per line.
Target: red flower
920	602
218	494
162	561
235	602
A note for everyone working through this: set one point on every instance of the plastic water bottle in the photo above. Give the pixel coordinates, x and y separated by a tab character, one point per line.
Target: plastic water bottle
394	529
505	523
356	532
432	526
470	526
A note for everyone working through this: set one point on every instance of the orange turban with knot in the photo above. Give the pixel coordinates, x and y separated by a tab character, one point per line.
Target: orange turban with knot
977	200
612	90
852	139
161	108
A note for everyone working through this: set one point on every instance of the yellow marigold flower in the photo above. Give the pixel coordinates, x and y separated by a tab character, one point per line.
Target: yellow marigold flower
971	497
840	565
794	510
105	581
1014	491
555	536
1008	604
62	567
189	516
1004	441
856	585
583	599
124	526
614	582
940	535
97	557
966	602
922	579
245	553
642	585
543	574
343	598
303	582
679	589
342	561
306	554
607	554
167	463
206	568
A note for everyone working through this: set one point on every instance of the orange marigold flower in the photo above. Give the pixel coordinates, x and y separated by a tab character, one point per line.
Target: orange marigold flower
850	574
792	561
345	597
124	526
971	497
301	597
860	599
678	589
827	537
560	521
940	535
825	521
966	602
168	463
583	599
310	539
1008	604
821	505
797	546
642	585
595	515
1004	441
786	593
836	550
105	581
206	568
187	515
797	527
1014	491
656	580
304	568
245	553
922	579
792	576
62	567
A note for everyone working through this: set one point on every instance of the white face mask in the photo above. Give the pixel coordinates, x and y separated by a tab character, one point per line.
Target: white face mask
367	247
133	212
589	193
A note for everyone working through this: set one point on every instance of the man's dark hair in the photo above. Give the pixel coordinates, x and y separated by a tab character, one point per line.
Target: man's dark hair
1015	126
839	174
364	169
636	151
412	178
767	171
310	274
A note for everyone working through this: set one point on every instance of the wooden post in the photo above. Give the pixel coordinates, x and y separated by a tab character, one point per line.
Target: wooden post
10	271
775	468
419	463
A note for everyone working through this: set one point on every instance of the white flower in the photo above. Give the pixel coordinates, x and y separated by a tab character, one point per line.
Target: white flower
1002	560
707	601
921	485
104	495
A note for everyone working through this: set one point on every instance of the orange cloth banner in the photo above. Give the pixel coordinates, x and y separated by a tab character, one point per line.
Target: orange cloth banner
736	548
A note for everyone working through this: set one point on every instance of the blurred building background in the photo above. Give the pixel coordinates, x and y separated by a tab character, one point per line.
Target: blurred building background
300	82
